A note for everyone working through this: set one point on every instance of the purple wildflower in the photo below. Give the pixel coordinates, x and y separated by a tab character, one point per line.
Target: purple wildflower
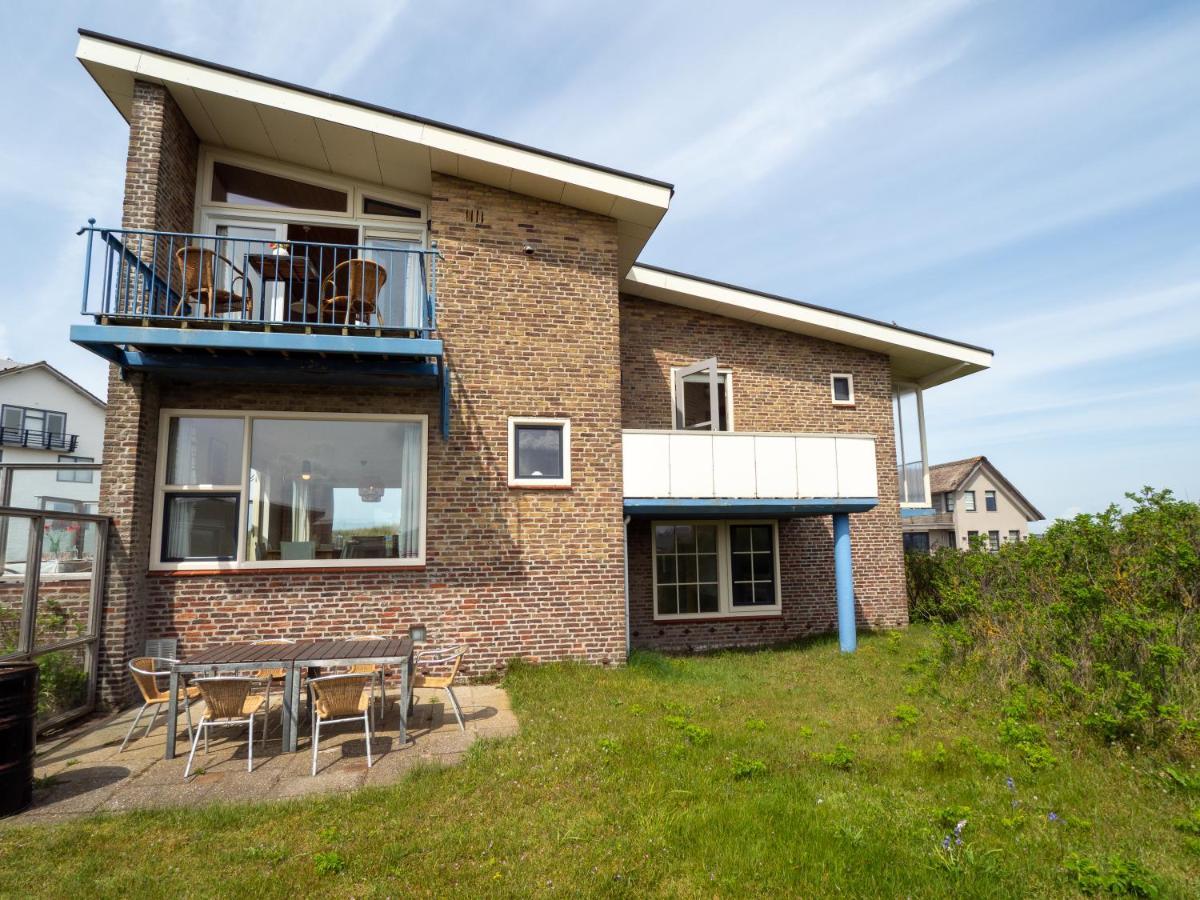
1053	817
1012	785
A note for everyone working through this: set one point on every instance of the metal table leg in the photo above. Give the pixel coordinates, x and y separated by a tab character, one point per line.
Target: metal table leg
285	712
404	689
293	710
172	714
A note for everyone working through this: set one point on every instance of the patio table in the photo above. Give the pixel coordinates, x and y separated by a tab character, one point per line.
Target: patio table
292	658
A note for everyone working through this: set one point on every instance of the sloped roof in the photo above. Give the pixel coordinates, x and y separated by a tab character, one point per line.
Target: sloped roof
950	476
11	367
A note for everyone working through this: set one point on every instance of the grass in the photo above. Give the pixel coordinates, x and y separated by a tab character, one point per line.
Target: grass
785	772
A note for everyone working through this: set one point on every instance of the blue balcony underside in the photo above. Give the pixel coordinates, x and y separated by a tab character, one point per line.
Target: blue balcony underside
272	357
734	508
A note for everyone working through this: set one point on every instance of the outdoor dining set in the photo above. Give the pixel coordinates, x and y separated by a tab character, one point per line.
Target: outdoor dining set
345	680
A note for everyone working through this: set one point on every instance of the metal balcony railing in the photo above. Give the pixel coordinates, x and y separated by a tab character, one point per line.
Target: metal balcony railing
178	278
40	440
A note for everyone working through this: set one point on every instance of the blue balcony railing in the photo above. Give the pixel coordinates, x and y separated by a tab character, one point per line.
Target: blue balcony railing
176	278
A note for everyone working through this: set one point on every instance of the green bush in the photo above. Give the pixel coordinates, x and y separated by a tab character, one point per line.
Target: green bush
1099	615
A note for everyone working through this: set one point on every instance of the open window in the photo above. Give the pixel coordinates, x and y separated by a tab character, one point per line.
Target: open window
912	462
702	396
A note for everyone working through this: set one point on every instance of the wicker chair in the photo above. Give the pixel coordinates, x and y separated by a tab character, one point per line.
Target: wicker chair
146	670
228	701
372	669
340	698
271	677
197	268
351	291
445	656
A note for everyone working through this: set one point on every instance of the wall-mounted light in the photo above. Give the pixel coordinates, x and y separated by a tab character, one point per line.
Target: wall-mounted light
306	470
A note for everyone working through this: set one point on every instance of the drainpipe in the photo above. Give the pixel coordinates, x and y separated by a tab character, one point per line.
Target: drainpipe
628	636
844	576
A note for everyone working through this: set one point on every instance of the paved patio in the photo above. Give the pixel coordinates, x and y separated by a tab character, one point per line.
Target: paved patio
84	772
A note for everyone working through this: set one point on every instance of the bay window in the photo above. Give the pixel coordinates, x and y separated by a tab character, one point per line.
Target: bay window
706	569
287	489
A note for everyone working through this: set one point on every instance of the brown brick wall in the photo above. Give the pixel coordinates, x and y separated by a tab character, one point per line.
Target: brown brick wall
780	383
511	572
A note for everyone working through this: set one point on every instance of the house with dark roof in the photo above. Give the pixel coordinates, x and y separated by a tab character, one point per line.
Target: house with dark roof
370	370
971	500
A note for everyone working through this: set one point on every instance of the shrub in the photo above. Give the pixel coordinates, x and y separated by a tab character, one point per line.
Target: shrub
747	768
906	714
1099	616
1114	875
840	757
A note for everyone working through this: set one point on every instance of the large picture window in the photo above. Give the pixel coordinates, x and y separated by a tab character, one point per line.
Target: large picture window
704	569
286	490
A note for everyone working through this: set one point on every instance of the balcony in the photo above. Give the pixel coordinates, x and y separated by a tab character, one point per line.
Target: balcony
39	440
715	473
221	307
934	521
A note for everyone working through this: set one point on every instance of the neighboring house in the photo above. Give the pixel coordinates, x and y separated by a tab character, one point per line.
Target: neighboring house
970	499
523	439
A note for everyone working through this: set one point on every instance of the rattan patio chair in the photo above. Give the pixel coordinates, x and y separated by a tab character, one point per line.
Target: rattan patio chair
227	701
146	670
197	268
271	677
351	290
340	698
372	669
444	656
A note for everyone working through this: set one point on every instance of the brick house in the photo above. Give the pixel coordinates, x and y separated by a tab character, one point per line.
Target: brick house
370	370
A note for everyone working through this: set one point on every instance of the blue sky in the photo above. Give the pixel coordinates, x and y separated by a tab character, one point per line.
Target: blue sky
1020	175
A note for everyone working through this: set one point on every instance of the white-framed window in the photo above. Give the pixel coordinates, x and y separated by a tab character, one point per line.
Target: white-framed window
692	410
79	476
1014	536
841	388
993	541
539	452
912	458
708	569
969	501
240	489
989	501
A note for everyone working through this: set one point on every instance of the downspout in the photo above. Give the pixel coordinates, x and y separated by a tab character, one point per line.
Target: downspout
628	635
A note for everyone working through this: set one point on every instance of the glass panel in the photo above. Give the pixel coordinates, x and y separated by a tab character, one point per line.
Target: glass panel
685	539
752	565
68	545
708	598
696	409
334	490
687	569
706	539
739	538
743	593
910	461
666	569
841	390
539	451
238	273
63	608
742	569
664	538
708	568
688	602
246	187
400	298
199	526
15	533
47	489
13	417
56	424
373	207
666	600
764	569
63	681
204	451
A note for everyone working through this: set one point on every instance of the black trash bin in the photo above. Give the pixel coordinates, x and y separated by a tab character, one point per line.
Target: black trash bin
18	724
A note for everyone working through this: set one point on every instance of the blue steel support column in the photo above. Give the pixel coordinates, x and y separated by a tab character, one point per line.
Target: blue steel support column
844	574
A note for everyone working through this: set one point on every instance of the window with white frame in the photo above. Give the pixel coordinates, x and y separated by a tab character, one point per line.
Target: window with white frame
969	501
1014	536
79	476
993	541
289	490
704	569
841	386
697	390
539	452
912	460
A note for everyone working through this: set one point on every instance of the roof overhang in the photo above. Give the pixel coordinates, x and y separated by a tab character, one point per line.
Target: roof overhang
241	111
919	358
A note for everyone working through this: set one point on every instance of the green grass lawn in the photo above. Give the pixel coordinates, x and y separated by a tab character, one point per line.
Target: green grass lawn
785	772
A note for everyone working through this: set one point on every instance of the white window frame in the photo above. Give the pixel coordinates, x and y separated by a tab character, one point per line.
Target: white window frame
727	374
971	506
899	438
833	393
513	480
240	563
725	607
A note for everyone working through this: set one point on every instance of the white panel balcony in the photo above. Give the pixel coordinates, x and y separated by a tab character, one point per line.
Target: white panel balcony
737	466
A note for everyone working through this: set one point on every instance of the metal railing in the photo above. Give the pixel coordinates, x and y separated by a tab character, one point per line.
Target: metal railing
45	440
53	553
179	278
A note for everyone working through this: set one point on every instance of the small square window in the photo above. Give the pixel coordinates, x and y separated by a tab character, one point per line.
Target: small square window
539	452
842	387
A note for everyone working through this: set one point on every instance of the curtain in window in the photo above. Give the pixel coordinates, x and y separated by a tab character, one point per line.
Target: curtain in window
179	541
301	530
410	491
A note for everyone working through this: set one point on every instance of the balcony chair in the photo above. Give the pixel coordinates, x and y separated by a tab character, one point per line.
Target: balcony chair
146	670
227	701
197	267
340	698
451	656
271	677
351	291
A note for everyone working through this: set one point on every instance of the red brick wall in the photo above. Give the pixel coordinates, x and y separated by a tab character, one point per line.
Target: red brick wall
780	383
511	572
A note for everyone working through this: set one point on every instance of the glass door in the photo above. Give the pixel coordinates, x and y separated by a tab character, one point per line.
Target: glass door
400	302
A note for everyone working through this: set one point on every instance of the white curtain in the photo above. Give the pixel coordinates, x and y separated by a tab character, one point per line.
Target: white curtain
301	530
401	299
183	516
411	454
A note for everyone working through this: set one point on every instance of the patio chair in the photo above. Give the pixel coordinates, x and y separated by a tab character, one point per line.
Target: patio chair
351	291
227	701
197	268
445	656
146	670
271	677
371	669
340	698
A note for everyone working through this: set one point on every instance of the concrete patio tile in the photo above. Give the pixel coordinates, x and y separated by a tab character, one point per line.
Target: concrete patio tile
80	791
153	796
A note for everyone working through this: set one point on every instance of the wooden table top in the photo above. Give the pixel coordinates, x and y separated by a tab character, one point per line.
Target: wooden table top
313	652
282	266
